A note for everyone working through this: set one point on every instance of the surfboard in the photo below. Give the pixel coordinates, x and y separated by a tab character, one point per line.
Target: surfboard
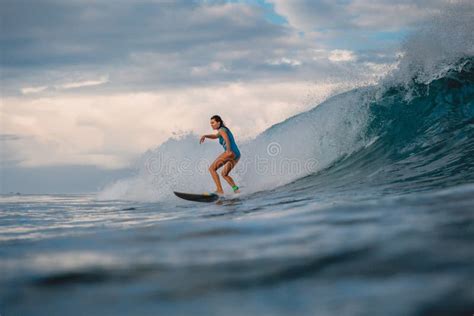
204	197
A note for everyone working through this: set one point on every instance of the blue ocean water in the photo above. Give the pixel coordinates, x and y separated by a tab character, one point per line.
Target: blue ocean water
366	210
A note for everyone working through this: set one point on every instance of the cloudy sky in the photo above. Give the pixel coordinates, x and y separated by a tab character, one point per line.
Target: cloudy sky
88	86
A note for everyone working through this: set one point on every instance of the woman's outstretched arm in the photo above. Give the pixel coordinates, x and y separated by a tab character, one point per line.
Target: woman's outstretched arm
211	136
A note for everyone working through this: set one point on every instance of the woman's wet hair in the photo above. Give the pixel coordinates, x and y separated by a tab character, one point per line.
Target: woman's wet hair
217	118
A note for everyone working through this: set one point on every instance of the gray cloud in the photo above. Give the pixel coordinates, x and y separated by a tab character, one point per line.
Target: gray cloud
151	45
365	15
148	45
8	155
45	33
9	137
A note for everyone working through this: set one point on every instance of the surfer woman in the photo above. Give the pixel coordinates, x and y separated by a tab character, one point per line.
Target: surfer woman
228	158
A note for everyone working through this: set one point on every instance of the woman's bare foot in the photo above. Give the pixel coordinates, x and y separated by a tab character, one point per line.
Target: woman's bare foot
237	191
219	192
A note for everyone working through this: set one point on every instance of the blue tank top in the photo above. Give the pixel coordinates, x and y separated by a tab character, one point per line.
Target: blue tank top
233	145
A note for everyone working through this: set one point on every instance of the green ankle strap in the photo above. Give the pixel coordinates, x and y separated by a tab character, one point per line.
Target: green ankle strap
235	188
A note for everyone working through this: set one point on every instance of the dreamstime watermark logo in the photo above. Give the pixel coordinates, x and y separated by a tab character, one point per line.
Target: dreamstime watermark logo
271	162
273	149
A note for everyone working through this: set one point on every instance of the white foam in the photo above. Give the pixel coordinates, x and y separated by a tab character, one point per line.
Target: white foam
435	47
